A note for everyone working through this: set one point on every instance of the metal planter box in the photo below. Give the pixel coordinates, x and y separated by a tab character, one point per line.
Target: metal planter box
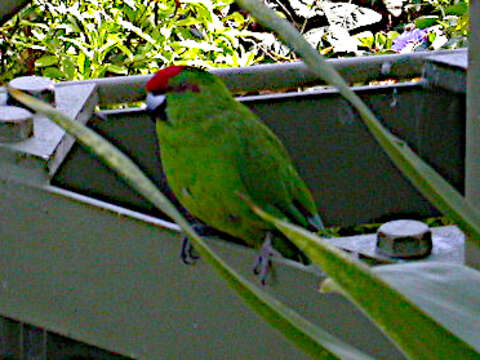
85	257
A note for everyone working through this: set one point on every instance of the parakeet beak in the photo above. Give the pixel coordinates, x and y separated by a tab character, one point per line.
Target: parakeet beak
156	106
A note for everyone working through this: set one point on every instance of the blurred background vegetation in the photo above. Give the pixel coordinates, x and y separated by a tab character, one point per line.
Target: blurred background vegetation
77	40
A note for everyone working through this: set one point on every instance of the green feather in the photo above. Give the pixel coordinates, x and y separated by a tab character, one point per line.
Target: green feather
213	147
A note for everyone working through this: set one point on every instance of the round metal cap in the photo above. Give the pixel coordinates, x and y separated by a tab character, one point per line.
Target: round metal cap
40	87
404	239
16	124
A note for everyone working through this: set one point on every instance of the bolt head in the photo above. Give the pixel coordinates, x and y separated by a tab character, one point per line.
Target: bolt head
404	239
16	124
3	99
37	86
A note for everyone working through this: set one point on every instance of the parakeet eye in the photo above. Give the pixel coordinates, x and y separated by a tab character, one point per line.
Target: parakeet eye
185	87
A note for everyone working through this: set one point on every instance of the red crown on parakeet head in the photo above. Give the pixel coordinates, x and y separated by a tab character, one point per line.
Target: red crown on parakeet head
159	81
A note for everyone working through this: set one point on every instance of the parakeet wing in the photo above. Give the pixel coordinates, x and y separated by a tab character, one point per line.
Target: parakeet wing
202	168
269	175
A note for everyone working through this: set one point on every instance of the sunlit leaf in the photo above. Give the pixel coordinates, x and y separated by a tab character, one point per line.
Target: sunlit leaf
68	67
349	16
423	22
460	8
306	8
366	39
53	73
394	7
341	40
202	45
46	60
316	36
116	69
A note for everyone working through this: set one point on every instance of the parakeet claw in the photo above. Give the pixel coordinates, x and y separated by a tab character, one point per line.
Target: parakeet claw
263	262
261	268
188	255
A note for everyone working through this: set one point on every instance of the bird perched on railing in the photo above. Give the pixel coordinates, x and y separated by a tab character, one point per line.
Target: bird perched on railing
213	148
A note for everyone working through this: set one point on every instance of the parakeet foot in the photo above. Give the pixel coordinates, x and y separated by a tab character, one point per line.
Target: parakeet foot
263	263
188	255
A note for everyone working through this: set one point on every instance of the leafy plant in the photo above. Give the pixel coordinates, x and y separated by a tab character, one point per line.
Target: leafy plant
76	40
446	21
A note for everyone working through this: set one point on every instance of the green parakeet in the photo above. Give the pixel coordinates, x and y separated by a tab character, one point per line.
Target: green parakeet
212	147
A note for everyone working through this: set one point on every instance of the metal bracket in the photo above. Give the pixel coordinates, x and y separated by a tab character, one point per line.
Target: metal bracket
448	71
39	156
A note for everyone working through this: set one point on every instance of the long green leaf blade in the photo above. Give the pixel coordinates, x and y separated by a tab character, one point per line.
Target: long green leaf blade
450	293
416	333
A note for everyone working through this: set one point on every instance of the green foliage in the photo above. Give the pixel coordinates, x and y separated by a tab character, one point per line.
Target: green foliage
444	24
346	28
379	43
447	20
76	40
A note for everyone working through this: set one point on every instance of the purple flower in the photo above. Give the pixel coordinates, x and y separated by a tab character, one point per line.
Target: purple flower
410	38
